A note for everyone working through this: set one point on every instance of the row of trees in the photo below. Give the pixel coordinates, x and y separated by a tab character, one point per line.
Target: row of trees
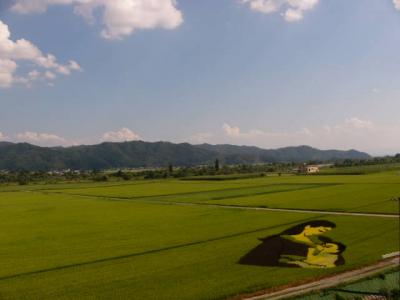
25	177
366	162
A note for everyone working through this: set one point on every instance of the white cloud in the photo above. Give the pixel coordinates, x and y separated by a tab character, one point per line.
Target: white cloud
120	17
33	75
29	78
42	139
3	137
358	123
50	75
124	134
12	52
291	10
51	139
232	131
7	70
27	6
293	15
264	6
396	4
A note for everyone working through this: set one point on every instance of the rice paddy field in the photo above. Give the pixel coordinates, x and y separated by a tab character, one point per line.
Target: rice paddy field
181	239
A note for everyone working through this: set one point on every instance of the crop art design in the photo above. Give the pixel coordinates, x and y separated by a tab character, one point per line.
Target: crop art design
301	246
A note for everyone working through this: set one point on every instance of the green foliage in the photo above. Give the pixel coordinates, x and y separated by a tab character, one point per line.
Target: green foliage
395	293
122	175
370	161
100	177
339	297
384	292
364	287
382	276
360	169
23	178
216	165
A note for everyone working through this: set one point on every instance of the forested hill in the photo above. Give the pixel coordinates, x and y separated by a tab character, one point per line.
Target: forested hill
23	156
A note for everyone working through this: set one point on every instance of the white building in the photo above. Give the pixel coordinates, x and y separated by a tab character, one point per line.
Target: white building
308	169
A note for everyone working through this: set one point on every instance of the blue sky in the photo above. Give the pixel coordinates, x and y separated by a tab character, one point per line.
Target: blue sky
269	73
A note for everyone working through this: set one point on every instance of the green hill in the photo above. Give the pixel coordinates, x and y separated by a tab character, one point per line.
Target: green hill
146	154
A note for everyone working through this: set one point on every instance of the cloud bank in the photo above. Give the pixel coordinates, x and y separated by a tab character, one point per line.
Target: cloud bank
291	10
122	135
396	4
13	52
352	133
120	17
42	139
51	140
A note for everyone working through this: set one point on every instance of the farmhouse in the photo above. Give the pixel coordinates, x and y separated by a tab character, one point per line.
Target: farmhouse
308	169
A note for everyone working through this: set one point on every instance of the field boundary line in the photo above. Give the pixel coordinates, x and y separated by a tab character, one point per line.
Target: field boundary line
307	211
306	186
324	212
74	188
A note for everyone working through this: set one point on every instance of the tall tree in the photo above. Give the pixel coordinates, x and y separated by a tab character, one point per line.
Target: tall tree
216	165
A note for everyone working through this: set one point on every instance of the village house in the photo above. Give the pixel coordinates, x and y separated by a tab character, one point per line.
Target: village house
308	169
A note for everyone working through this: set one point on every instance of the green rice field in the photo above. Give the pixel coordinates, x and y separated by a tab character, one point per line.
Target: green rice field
180	239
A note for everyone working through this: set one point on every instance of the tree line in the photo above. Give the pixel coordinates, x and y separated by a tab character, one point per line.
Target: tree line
23	177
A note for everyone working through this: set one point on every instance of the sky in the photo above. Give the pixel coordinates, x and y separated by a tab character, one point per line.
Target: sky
267	73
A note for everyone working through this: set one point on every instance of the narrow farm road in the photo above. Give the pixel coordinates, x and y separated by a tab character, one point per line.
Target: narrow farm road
332	281
326	212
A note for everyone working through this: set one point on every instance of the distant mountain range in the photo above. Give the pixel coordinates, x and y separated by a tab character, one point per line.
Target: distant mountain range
23	156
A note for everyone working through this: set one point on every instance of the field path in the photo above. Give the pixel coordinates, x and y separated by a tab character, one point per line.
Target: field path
328	282
326	212
295	210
